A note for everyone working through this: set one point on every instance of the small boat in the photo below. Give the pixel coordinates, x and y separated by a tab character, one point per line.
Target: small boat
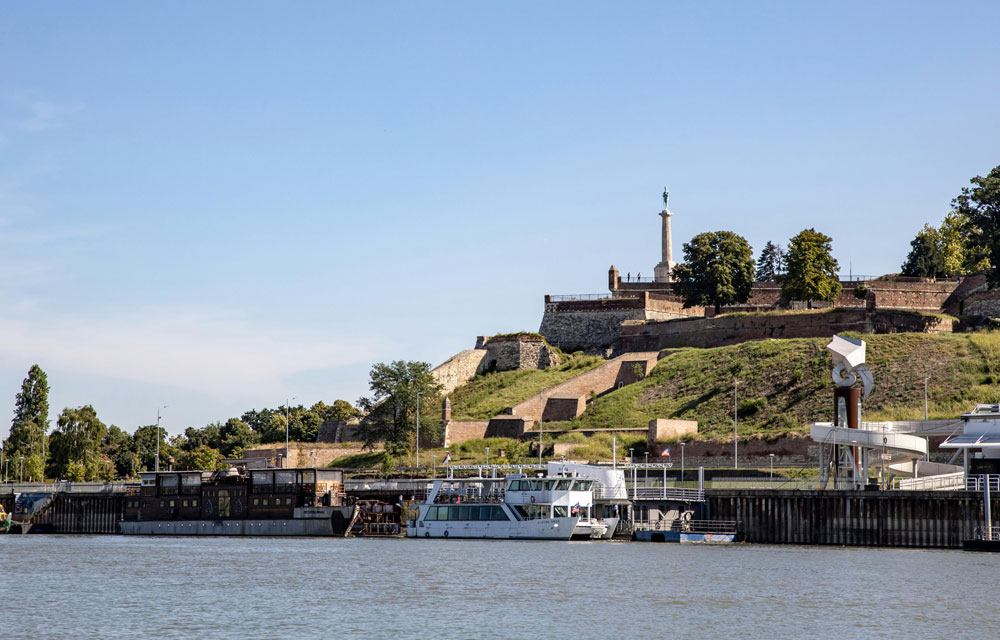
516	507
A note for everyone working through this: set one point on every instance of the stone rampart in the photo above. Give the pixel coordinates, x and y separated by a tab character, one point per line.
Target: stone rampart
726	330
584	324
459	369
515	352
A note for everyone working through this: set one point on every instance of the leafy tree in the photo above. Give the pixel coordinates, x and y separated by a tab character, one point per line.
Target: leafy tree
927	258
981	206
771	263
78	440
390	411
718	269
961	255
208	436
812	270
339	410
120	450
31	416
144	443
269	424
200	458
236	436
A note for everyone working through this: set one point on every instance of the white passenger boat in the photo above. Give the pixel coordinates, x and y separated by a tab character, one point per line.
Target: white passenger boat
515	507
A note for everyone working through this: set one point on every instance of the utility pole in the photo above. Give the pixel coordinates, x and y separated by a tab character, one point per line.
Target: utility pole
541	411
286	429
682	464
418	429
925	396
156	466
736	430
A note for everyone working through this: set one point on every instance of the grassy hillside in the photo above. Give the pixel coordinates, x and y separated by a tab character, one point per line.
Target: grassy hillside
488	394
785	384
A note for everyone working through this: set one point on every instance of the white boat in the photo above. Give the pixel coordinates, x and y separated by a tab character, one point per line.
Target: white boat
515	507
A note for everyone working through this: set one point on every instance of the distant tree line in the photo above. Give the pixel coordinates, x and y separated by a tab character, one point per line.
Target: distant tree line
718	267
82	448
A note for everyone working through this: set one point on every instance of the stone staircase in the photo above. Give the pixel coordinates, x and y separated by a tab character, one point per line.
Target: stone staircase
567	400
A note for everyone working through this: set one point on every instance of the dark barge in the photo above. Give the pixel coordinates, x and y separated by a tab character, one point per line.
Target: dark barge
240	502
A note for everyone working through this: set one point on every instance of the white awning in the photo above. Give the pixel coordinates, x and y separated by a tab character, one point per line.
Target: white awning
972	441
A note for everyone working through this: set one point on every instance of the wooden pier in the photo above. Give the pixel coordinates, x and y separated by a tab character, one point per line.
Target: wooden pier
939	519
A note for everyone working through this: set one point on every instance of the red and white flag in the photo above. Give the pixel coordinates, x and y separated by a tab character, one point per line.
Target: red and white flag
665	453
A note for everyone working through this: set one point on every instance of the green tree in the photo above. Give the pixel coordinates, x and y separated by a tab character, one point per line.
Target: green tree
390	411
78	439
144	444
961	255
31	417
927	257
339	410
200	458
771	263
236	437
208	436
718	269
981	206
120	450
812	270
268	423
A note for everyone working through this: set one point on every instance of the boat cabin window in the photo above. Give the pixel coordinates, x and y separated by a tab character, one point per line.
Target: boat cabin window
465	513
564	485
560	512
583	485
532	511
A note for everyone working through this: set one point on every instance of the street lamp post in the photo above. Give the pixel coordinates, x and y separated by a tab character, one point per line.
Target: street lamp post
434	464
771	481
736	429
925	396
487	456
541	412
682	463
418	428
21	480
156	464
286	429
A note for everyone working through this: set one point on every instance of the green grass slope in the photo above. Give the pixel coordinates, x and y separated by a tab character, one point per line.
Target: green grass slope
488	394
785	384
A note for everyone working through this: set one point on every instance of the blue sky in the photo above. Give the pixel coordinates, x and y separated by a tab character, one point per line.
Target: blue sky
217	206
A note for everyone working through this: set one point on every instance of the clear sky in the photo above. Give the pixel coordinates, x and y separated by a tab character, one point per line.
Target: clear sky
215	206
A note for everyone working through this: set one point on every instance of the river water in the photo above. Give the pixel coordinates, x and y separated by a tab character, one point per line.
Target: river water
138	587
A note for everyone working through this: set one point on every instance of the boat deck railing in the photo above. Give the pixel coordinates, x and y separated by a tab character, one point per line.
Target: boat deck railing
687	526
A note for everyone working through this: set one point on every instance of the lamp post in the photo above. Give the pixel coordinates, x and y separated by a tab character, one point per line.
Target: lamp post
418	429
487	456
771	481
286	429
925	396
541	411
434	464
156	464
736	429
21	480
682	463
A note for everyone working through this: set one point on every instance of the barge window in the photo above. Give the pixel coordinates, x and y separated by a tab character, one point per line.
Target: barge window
194	503
498	514
453	513
564	485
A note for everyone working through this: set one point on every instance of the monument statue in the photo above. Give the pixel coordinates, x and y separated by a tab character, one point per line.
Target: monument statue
666	195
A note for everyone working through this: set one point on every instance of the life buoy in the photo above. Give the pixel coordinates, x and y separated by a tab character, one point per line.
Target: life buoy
427	534
532	498
445	533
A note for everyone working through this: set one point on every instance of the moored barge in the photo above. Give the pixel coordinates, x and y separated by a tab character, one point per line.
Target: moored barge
238	502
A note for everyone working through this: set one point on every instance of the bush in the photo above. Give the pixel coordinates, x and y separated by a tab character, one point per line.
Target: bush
750	407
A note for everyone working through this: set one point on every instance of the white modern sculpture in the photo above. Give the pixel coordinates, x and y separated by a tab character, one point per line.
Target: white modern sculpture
849	361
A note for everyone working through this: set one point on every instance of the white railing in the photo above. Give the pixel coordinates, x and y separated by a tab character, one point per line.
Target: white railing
687	526
978	482
941	482
667	493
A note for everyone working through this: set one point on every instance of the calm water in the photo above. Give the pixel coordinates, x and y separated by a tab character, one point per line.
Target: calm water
112	586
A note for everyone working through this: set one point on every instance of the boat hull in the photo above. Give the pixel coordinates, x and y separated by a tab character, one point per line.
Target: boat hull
680	536
543	529
316	521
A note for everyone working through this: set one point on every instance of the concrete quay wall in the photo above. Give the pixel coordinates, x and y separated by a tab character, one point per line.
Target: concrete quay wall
939	519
